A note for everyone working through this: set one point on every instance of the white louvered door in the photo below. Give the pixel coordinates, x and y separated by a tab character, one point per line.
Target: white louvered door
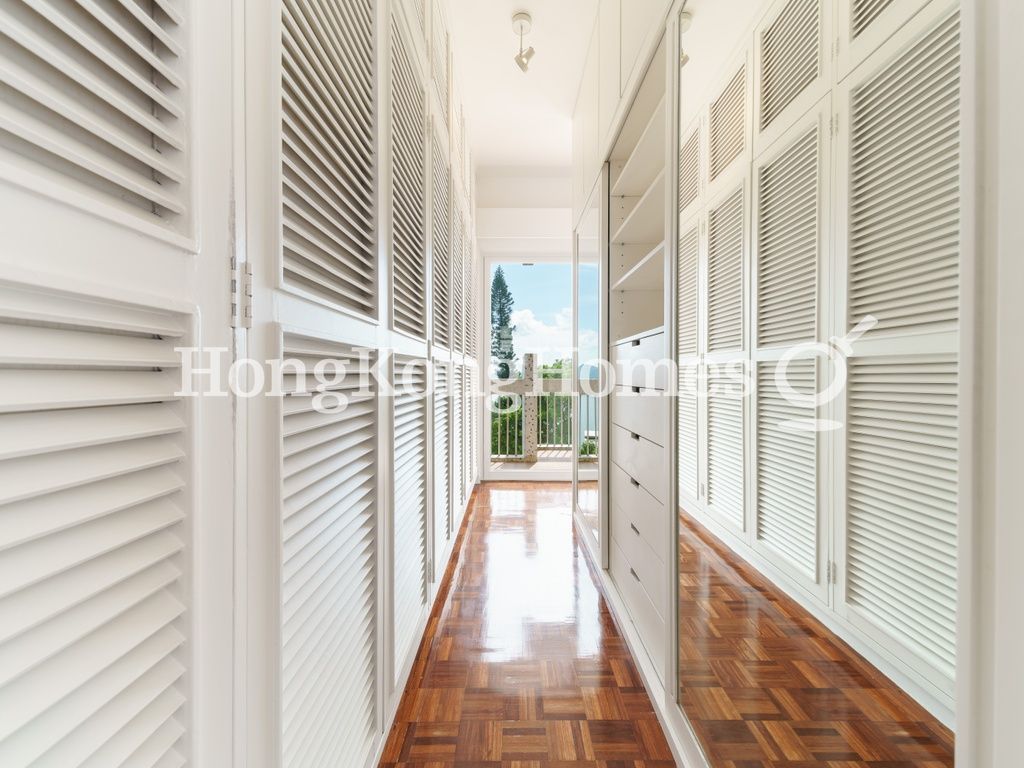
458	279
792	65
94	553
441	242
409	504
111	519
329	152
458	445
328	576
865	24
726	253
900	159
443	534
790	244
408	190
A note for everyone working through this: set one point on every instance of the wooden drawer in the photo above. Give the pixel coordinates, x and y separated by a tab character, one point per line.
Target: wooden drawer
648	623
648	566
643	411
641	362
641	510
642	460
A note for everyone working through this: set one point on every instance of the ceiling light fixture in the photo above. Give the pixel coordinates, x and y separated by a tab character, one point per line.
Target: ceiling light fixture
521	25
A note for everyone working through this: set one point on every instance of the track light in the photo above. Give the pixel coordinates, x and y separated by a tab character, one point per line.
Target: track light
521	24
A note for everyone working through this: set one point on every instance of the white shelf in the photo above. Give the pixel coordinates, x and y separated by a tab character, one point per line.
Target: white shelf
648	274
646	222
647	158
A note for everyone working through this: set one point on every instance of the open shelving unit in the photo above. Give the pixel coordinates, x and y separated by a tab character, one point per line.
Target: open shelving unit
637	212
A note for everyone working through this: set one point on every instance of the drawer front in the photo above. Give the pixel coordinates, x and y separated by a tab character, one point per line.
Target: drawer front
641	362
644	413
642	460
649	625
649	568
641	510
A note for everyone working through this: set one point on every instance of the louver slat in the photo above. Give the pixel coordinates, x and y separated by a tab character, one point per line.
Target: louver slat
727	125
689	171
410	503
92	514
787	244
790	57
328	567
93	98
408	191
725	447
787	466
442	442
725	274
441	245
904	226
901	500
328	151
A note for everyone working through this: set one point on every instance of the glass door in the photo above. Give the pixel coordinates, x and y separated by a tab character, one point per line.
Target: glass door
588	330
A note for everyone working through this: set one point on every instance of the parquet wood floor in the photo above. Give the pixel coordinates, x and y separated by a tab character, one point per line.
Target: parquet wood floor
767	686
521	665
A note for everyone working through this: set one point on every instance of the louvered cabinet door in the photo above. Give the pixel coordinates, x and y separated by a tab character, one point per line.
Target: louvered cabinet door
328	152
729	126
727	249
725	445
863	25
409	521
440	63
94	107
458	440
328	572
458	280
900	148
688	359
442	461
408	190
791	247
690	171
94	531
792	65
467	421
441	242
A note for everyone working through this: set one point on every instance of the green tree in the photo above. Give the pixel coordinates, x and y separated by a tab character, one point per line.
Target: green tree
501	317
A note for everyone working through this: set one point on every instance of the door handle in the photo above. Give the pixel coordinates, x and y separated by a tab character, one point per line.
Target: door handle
635	529
634	574
636	483
634	435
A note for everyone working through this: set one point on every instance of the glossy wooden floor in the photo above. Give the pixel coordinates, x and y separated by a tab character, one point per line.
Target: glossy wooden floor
764	684
522	666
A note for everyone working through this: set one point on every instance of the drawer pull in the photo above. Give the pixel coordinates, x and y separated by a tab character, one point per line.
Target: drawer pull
634	435
633	574
635	529
636	390
635	343
635	483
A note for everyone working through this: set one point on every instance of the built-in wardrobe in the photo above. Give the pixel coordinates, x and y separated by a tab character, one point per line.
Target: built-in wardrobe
780	234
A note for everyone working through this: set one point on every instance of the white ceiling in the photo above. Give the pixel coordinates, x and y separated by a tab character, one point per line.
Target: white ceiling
515	119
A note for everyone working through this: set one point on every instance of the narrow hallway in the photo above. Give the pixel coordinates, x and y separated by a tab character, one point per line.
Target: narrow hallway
521	661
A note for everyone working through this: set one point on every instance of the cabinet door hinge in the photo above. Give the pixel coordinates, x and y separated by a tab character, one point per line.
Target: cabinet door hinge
241	294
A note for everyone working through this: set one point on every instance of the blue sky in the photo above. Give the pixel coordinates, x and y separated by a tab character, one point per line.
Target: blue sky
543	308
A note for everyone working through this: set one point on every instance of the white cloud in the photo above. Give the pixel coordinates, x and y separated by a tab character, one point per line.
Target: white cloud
548	341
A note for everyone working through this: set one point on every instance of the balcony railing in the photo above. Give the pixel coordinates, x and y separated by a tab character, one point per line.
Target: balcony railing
533	416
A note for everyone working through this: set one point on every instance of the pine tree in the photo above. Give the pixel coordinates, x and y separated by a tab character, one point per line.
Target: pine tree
501	316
